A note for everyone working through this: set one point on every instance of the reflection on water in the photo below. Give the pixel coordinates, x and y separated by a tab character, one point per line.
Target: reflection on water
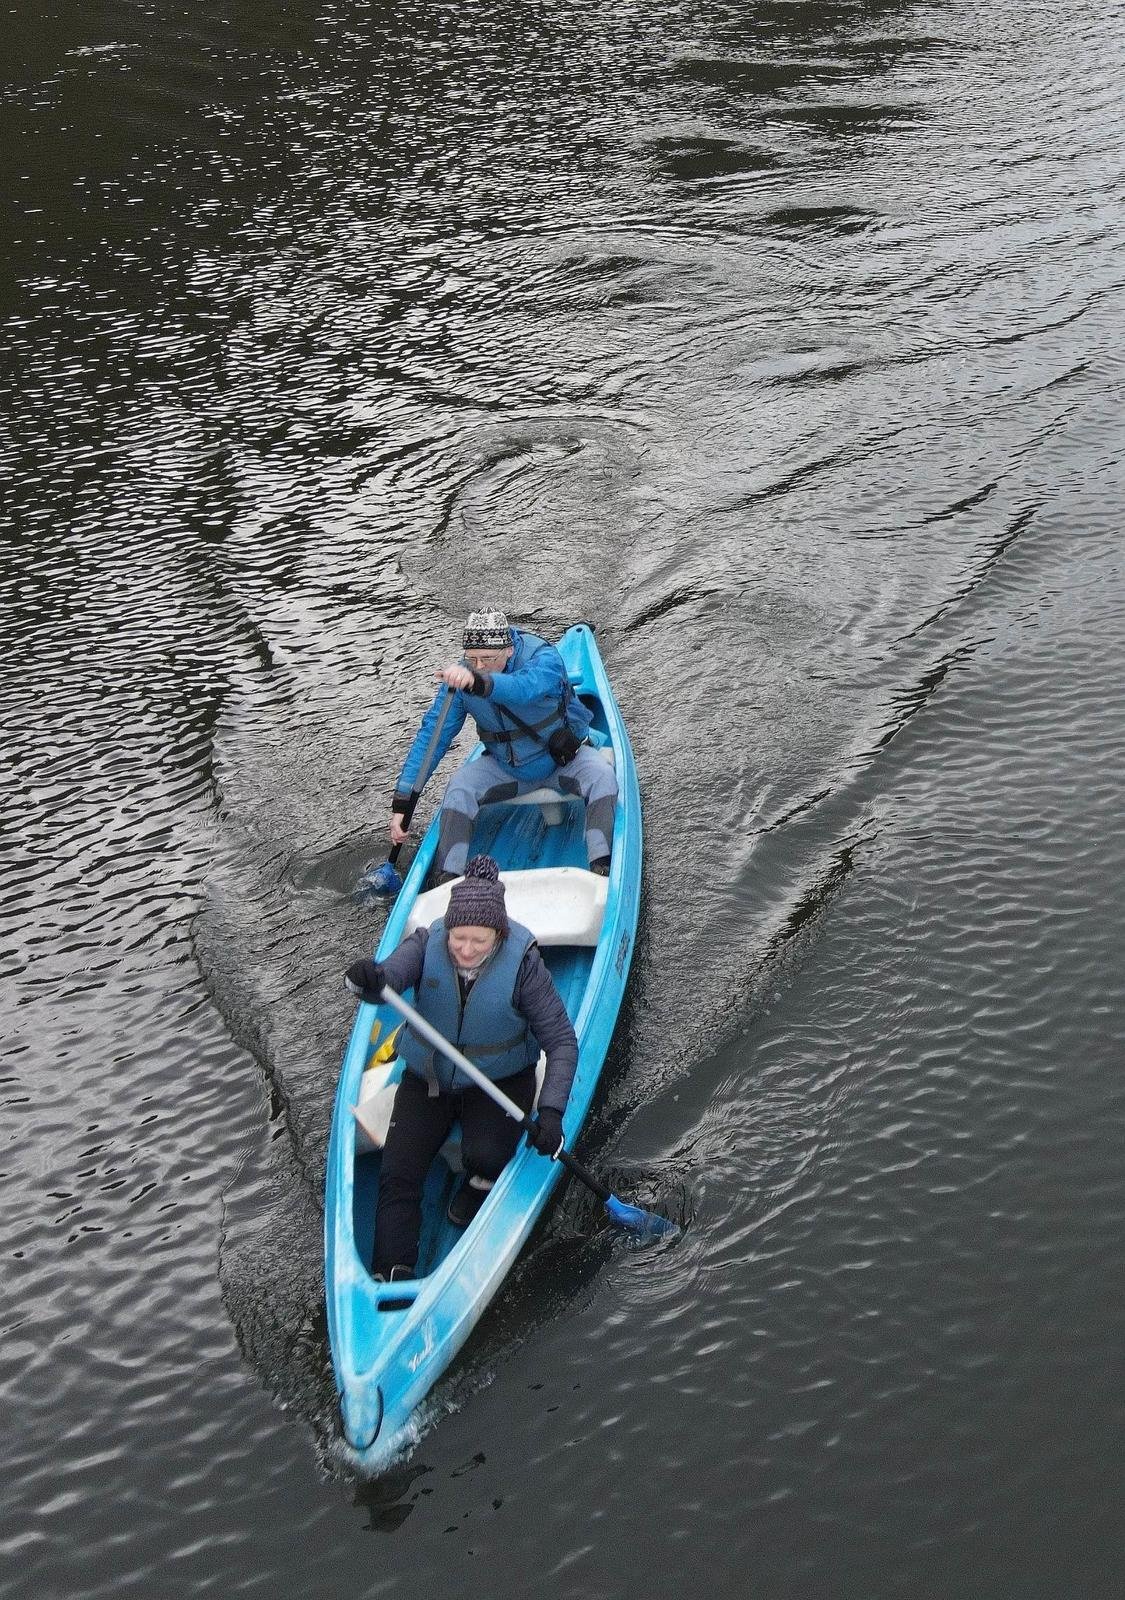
779	342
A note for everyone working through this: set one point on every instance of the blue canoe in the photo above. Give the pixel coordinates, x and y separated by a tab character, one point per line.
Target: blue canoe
391	1342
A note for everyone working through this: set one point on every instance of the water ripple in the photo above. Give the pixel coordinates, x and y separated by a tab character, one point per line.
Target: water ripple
783	346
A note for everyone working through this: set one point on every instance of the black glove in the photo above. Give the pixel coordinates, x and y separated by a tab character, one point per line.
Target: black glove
366	979
545	1133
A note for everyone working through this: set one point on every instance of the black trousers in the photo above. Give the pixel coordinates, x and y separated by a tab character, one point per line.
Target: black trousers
419	1127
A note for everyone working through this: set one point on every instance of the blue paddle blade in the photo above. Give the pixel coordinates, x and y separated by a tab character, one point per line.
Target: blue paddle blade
378	882
643	1225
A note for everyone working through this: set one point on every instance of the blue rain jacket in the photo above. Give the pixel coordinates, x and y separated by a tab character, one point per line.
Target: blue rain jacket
533	684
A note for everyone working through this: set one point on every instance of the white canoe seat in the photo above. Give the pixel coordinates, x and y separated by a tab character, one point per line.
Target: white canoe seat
561	905
373	1113
550	800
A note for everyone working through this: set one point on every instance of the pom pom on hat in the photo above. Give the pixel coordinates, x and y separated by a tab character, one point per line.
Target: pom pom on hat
477	901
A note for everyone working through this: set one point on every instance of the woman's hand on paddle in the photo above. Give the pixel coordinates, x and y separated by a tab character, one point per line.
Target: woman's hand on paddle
365	979
545	1133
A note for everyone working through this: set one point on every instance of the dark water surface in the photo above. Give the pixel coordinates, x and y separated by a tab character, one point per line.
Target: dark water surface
783	342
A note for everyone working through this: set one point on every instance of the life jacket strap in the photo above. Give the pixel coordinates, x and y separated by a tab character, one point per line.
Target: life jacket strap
472	1050
528	729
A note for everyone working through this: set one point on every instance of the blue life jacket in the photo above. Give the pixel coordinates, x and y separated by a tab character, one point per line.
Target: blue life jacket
489	1030
500	731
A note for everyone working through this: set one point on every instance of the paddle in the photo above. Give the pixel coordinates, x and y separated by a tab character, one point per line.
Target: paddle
645	1225
384	880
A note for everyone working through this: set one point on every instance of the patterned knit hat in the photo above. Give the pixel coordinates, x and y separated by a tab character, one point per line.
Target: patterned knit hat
477	901
486	630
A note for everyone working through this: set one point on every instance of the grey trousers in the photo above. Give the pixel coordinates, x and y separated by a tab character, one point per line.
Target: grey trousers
588	776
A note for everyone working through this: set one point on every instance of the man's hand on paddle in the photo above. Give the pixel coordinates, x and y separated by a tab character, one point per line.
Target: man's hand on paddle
458	676
398	833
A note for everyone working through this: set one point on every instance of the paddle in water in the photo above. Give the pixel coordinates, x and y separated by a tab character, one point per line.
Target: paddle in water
383	881
645	1226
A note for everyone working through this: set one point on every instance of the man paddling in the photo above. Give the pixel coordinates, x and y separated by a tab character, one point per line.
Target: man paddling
533	727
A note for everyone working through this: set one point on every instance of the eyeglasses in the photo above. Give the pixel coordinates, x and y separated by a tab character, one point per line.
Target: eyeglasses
483	660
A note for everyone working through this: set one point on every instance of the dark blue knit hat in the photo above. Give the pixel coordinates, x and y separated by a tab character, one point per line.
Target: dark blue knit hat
477	901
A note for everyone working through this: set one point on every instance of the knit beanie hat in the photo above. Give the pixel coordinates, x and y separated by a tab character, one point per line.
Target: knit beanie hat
486	630
477	901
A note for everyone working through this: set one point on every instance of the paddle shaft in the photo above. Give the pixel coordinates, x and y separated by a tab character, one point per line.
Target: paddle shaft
494	1092
423	771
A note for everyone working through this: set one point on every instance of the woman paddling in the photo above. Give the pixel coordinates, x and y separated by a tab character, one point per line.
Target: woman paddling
481	981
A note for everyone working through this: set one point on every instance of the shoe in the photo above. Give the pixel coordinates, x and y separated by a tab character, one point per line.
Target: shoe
600	866
440	878
465	1204
399	1274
